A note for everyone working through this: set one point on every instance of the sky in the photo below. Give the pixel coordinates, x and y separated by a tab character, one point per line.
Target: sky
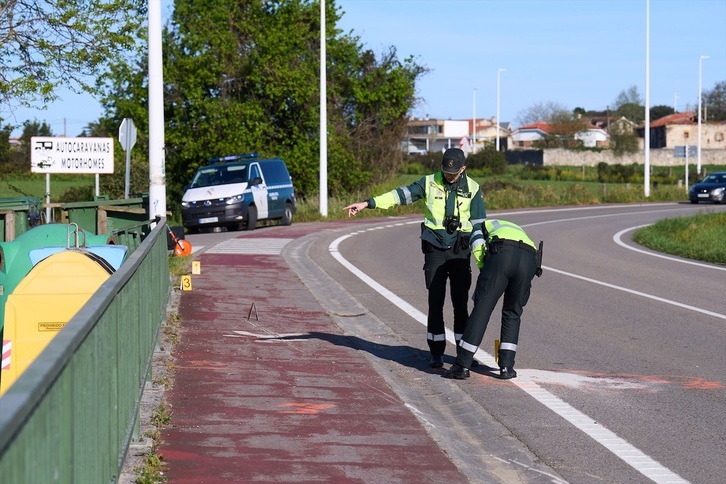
575	53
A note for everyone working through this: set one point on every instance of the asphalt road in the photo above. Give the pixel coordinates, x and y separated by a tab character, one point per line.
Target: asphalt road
621	361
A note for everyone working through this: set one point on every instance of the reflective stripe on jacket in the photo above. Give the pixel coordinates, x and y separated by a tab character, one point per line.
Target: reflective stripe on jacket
502	229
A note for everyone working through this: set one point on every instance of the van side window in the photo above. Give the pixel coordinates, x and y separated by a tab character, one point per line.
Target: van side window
254	173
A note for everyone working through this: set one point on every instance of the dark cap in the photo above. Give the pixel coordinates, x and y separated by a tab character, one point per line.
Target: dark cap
453	160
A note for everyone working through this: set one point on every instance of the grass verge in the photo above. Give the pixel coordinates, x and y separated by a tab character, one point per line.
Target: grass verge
700	237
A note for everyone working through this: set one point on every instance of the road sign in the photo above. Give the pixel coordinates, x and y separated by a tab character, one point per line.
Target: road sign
127	134
680	151
71	155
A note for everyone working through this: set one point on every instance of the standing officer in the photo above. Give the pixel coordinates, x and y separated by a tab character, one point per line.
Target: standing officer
454	204
508	269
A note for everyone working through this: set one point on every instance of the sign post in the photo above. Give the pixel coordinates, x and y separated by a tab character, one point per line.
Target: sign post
127	138
685	152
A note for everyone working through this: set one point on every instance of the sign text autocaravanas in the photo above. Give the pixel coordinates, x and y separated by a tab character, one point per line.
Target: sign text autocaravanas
71	155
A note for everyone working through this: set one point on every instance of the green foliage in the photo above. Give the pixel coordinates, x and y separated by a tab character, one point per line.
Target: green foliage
46	45
5	143
30	129
657	112
15	184
415	168
715	99
629	104
78	194
623	143
690	237
619	173
488	161
243	76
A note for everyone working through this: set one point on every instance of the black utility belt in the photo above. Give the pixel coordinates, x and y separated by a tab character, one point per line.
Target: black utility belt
460	244
513	243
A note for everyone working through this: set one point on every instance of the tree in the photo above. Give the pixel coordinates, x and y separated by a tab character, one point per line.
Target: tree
629	104
243	76
546	112
45	45
622	143
714	102
562	123
30	129
5	143
657	112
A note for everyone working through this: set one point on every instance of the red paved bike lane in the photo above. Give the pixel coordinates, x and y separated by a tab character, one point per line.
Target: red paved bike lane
279	396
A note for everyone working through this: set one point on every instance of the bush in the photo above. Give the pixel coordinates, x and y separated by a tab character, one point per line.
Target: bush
489	160
78	194
415	168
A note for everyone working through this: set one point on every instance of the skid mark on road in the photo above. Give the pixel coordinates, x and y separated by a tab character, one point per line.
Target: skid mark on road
612	381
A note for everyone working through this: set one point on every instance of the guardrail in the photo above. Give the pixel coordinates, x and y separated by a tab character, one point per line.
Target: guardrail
71	416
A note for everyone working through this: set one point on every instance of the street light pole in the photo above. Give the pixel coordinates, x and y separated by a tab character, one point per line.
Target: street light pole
499	71
700	69
473	129
646	133
323	175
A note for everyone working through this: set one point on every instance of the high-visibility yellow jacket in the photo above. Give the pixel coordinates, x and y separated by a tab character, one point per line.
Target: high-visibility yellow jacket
495	227
464	199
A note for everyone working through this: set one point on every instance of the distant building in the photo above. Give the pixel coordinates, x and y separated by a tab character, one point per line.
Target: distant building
593	138
621	125
436	135
525	136
485	131
681	129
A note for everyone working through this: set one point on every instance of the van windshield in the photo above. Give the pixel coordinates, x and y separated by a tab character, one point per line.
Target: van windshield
219	175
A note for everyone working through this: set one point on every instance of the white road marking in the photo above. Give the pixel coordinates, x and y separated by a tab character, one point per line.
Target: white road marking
615	444
617	238
638	293
250	246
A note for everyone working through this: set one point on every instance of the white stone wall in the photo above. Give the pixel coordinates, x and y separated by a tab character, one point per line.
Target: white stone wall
661	157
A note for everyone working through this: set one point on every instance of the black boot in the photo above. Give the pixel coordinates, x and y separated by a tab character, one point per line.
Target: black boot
507	373
436	362
457	372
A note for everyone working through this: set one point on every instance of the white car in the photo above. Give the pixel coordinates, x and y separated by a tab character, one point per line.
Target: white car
413	150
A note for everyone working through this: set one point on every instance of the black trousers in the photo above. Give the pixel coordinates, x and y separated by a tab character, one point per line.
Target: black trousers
440	266
509	272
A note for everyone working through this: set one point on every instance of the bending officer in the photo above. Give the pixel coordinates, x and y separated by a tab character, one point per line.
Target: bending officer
507	269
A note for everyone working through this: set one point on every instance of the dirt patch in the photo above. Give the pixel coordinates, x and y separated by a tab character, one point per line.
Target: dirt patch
153	395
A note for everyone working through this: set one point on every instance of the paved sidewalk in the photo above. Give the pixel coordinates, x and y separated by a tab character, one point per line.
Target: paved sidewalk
268	387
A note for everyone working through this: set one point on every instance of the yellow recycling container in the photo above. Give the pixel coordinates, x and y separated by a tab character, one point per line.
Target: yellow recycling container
43	303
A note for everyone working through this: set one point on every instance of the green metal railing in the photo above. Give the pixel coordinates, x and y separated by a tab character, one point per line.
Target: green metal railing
70	417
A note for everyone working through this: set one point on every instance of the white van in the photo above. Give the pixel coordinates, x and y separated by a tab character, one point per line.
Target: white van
236	191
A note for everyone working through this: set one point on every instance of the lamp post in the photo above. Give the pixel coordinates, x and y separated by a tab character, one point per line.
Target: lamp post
473	128
499	71
646	133
700	69
323	175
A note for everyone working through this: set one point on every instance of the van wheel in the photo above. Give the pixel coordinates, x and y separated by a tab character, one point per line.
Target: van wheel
251	218
287	215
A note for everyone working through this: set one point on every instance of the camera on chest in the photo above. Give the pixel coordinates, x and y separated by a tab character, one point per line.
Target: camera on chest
452	224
